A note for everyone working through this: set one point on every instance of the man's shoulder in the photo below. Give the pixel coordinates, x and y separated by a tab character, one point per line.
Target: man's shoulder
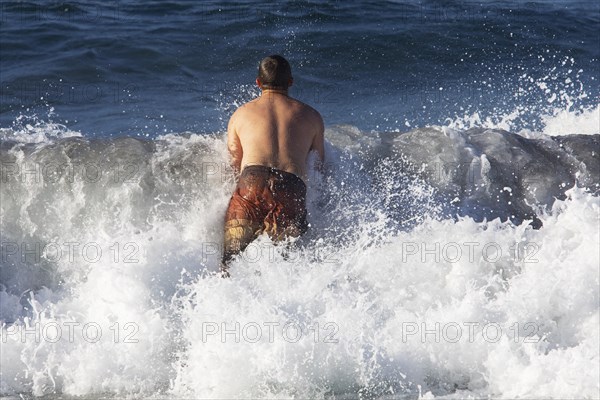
309	110
315	116
244	107
242	110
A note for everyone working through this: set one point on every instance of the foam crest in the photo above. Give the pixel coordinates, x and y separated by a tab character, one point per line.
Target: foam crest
33	129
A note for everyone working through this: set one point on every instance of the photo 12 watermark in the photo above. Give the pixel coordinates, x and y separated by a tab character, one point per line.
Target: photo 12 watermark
454	332
268	332
70	332
57	11
471	251
111	172
61	91
34	252
285	253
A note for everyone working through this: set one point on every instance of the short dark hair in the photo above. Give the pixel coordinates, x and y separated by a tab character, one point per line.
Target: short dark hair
274	72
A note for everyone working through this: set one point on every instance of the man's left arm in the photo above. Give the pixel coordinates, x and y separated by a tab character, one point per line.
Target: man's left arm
318	143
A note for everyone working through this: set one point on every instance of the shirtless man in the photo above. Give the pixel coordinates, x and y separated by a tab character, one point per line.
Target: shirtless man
269	139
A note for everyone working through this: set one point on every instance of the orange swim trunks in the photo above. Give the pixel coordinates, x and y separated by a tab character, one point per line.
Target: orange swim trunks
266	200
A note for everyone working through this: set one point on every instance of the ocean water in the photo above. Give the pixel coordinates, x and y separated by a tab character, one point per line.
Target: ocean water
455	234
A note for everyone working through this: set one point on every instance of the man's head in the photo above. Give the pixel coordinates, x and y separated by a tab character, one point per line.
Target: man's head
274	72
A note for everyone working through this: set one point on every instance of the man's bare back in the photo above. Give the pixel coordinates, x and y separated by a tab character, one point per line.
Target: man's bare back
270	139
276	131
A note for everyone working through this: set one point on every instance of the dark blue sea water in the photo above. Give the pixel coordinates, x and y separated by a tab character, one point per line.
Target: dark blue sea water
453	241
145	68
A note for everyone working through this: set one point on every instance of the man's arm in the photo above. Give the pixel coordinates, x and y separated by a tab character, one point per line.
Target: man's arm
234	145
318	143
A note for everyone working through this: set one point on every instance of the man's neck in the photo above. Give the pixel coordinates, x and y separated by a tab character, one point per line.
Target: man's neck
275	91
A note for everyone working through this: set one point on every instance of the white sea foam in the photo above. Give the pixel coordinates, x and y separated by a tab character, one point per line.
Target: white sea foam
361	306
559	121
564	122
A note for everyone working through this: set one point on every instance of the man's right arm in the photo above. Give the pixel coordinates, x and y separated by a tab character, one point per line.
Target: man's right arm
233	144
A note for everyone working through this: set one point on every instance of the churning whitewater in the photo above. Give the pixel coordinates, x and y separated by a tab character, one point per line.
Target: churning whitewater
471	271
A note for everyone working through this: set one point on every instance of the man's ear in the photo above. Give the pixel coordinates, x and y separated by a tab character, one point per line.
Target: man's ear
258	83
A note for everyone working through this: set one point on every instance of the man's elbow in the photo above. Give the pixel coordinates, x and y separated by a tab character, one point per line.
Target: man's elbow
237	164
320	162
235	160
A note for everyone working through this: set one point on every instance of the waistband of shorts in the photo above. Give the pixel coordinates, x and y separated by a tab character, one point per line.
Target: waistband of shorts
273	171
